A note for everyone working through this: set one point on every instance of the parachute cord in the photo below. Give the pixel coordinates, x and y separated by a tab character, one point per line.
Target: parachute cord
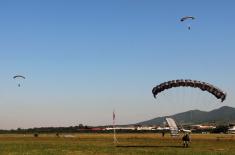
180	96
184	96
170	97
197	100
191	99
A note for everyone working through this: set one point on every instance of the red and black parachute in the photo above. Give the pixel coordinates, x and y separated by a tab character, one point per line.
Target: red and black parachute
219	94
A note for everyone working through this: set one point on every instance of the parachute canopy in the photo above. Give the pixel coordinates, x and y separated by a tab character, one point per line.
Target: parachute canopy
171	124
173	127
219	94
18	76
186	18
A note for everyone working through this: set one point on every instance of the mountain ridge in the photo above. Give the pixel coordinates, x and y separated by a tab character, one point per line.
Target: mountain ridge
220	115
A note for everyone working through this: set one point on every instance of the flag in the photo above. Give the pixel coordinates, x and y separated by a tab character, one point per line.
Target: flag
113	115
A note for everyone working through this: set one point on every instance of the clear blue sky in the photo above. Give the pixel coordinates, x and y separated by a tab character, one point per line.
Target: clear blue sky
84	58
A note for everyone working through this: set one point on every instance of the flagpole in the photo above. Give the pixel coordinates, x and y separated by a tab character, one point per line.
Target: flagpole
114	130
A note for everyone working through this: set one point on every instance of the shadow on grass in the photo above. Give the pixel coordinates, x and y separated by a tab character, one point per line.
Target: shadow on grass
166	146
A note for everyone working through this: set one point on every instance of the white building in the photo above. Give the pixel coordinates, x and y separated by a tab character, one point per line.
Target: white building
231	130
146	128
121	128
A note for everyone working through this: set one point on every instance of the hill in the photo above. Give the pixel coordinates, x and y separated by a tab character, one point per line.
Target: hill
222	115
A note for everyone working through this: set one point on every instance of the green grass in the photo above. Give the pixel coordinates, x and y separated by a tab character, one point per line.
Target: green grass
102	144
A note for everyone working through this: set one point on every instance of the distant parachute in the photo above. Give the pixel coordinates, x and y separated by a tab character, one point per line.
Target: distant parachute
187	18
219	94
18	77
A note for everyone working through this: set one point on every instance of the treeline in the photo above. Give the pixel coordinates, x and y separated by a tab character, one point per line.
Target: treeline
71	129
89	129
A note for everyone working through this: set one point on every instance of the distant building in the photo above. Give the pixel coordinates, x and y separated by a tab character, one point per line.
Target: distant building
231	130
161	128
146	128
121	128
139	128
96	129
202	127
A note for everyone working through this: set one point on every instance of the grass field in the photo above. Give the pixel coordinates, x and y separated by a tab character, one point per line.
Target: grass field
133	144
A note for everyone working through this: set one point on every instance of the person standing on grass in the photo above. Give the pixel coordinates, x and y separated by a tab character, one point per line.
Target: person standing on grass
186	140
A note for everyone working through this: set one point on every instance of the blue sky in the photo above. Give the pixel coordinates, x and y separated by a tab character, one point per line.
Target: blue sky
84	58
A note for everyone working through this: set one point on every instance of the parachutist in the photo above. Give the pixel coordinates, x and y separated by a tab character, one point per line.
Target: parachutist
18	77
186	140
186	18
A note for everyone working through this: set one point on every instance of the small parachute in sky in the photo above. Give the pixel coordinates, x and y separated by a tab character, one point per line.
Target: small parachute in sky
19	78
188	19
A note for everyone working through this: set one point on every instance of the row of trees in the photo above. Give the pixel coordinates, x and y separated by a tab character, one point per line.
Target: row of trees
87	129
71	129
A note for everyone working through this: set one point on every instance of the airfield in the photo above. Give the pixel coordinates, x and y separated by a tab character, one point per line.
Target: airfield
102	144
